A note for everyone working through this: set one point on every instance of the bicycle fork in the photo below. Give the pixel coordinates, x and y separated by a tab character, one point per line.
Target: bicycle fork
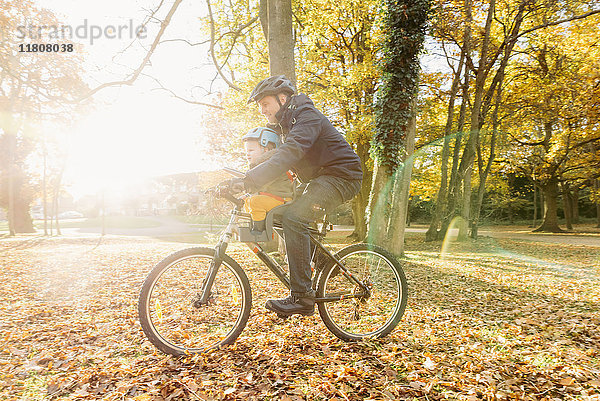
220	250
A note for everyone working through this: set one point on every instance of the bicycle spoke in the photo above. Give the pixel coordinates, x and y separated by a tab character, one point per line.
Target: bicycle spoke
171	314
372	314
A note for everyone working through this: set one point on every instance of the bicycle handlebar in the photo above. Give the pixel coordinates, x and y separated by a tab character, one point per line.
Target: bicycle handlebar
234	172
229	196
226	194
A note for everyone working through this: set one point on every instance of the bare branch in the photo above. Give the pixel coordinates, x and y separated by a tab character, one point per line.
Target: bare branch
584	142
143	26
175	95
236	33
536	143
547	24
186	41
131	79
190	101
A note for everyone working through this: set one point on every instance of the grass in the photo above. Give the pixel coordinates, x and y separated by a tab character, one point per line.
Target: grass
111	222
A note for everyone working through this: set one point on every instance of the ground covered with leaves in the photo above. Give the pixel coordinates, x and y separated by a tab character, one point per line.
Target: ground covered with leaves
487	319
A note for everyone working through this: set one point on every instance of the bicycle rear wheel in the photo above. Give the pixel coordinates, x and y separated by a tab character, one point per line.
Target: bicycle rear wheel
373	315
170	312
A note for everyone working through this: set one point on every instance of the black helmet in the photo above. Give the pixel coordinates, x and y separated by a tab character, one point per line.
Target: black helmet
272	86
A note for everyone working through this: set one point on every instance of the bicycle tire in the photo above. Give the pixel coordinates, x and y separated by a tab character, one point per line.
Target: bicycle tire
354	319
172	289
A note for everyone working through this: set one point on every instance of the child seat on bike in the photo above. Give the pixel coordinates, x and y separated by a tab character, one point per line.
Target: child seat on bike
248	235
273	217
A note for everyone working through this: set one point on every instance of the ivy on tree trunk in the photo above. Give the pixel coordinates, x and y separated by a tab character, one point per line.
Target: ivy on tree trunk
404	23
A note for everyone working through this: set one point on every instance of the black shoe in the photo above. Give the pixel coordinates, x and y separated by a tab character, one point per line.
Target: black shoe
292	305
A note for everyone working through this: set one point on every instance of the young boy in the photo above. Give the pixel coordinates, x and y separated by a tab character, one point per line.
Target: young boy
260	144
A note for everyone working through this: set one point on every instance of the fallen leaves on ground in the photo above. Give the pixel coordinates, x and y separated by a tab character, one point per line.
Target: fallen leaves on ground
489	320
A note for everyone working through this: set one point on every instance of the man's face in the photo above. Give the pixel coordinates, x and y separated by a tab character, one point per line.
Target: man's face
268	107
253	150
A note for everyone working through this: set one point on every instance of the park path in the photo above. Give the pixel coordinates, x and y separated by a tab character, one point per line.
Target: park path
167	226
170	226
519	233
522	233
565	238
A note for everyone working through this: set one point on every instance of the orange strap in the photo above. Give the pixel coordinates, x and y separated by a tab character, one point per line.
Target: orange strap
279	198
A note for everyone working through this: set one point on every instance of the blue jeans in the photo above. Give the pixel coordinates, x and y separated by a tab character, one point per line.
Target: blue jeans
322	194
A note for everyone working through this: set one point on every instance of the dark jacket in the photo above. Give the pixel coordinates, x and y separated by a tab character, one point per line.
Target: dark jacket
312	147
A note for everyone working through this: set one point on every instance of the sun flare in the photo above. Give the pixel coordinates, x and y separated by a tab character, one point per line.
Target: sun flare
138	137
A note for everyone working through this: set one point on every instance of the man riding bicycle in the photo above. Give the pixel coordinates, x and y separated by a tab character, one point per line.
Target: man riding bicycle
320	157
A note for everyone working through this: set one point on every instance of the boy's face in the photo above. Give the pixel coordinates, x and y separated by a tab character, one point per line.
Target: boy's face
253	150
268	107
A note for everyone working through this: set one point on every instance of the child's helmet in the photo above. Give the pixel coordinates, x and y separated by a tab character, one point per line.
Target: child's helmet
263	135
272	86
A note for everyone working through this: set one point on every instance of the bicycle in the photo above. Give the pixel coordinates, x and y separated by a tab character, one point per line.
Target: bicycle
199	298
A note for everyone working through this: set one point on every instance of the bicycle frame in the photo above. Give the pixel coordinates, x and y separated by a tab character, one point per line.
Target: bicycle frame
272	264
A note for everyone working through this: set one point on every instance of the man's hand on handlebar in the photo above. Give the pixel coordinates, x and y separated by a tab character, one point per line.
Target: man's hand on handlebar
233	186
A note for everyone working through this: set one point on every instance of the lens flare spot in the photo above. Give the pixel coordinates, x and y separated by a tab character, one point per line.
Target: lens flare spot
456	225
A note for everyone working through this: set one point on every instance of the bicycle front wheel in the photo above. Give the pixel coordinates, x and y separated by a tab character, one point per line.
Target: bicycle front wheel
375	313
169	307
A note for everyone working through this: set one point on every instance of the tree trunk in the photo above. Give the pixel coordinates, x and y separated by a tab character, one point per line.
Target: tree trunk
542	202
22	218
19	219
597	188
481	189
394	101
57	196
378	217
402	190
361	201
466	203
55	213
45	192
10	129
550	223
475	117
567	207
440	205
476	121
485	172
535	209
11	183
575	205
276	17
454	194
